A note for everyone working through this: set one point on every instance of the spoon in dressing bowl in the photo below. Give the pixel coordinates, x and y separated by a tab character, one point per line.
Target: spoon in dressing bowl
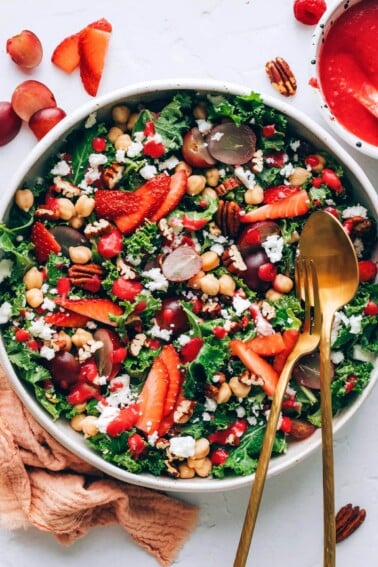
326	243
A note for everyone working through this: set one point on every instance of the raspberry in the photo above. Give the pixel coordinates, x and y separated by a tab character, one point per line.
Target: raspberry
309	12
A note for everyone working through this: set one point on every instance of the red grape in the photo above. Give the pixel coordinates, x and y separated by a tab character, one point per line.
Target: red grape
10	123
30	96
231	144
181	264
307	371
65	370
172	317
194	149
104	355
67	237
25	49
44	119
256	233
253	260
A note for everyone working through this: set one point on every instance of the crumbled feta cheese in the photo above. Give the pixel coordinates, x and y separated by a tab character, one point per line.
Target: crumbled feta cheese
153	438
148	171
210	404
240	304
218	249
41	329
359	247
5	269
252	420
287	170
48	304
5	312
158	281
183	340
120	394
61	168
100	380
169	163
139	136
246	176
91	120
355	324
206	416
95	160
354	211
159	333
182	446
107	414
204	126
240	411
337	356
134	149
273	246
295	145
133	260
362	354
120	156
47	352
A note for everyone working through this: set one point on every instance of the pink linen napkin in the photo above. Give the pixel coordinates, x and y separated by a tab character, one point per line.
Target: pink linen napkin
42	484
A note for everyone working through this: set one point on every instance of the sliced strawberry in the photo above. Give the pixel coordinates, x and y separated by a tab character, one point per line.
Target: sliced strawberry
101	24
97	308
110	204
267	345
66	54
176	192
171	359
151	196
152	397
125	420
43	241
257	365
290	337
66	319
274	194
93	47
294	205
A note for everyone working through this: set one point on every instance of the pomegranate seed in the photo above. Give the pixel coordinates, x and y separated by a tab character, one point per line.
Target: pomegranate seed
367	270
149	128
332	211
99	144
153	149
269	130
317	182
312	161
33	344
219	456
371	309
197	305
267	272
219	332
22	336
119	355
153	344
168	315
286	424
332	180
140	307
350	383
136	444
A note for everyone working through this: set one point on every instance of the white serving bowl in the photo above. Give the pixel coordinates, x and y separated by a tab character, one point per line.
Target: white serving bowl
33	166
320	33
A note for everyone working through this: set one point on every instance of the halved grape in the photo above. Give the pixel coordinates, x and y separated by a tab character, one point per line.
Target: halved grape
30	96
172	317
181	264
194	149
256	233
307	371
253	260
44	119
104	355
65	370
67	236
231	144
10	123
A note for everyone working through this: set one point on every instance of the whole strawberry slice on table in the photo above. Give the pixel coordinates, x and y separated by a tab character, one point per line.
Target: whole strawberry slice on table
98	309
93	47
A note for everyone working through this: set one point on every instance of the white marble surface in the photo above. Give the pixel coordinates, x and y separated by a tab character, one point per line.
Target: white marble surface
228	40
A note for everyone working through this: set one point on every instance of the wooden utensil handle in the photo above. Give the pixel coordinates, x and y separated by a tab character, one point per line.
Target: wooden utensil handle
329	546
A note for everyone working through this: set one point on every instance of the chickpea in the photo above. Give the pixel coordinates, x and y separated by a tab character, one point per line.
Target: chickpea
201	448
89	426
81	337
212	176
299	176
209	192
194	282
283	284
196	184
33	278
64	341
76	222
185	166
273	295
34	297
66	209
254	196
114	133
80	254
203	467
24	199
239	389
210	260
121	113
132	120
123	142
186	471
209	284
84	206
77	422
80	408
227	285
224	393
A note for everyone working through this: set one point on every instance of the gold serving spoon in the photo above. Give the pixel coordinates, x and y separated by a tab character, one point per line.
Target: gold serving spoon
326	243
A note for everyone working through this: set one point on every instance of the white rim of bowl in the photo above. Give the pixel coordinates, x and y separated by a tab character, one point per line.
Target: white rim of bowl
61	430
320	32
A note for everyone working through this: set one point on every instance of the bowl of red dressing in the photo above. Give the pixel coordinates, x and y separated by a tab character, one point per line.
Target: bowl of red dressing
345	69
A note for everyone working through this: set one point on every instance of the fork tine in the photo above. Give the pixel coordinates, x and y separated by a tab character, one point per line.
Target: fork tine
317	315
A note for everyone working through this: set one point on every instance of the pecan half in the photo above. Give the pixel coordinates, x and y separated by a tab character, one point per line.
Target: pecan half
227	185
233	261
65	187
112	175
228	217
281	76
348	519
86	276
97	228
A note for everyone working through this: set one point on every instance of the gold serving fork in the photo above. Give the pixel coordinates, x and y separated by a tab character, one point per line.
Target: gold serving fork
307	290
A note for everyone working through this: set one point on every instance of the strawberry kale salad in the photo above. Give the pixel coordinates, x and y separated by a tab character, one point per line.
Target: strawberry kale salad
147	284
